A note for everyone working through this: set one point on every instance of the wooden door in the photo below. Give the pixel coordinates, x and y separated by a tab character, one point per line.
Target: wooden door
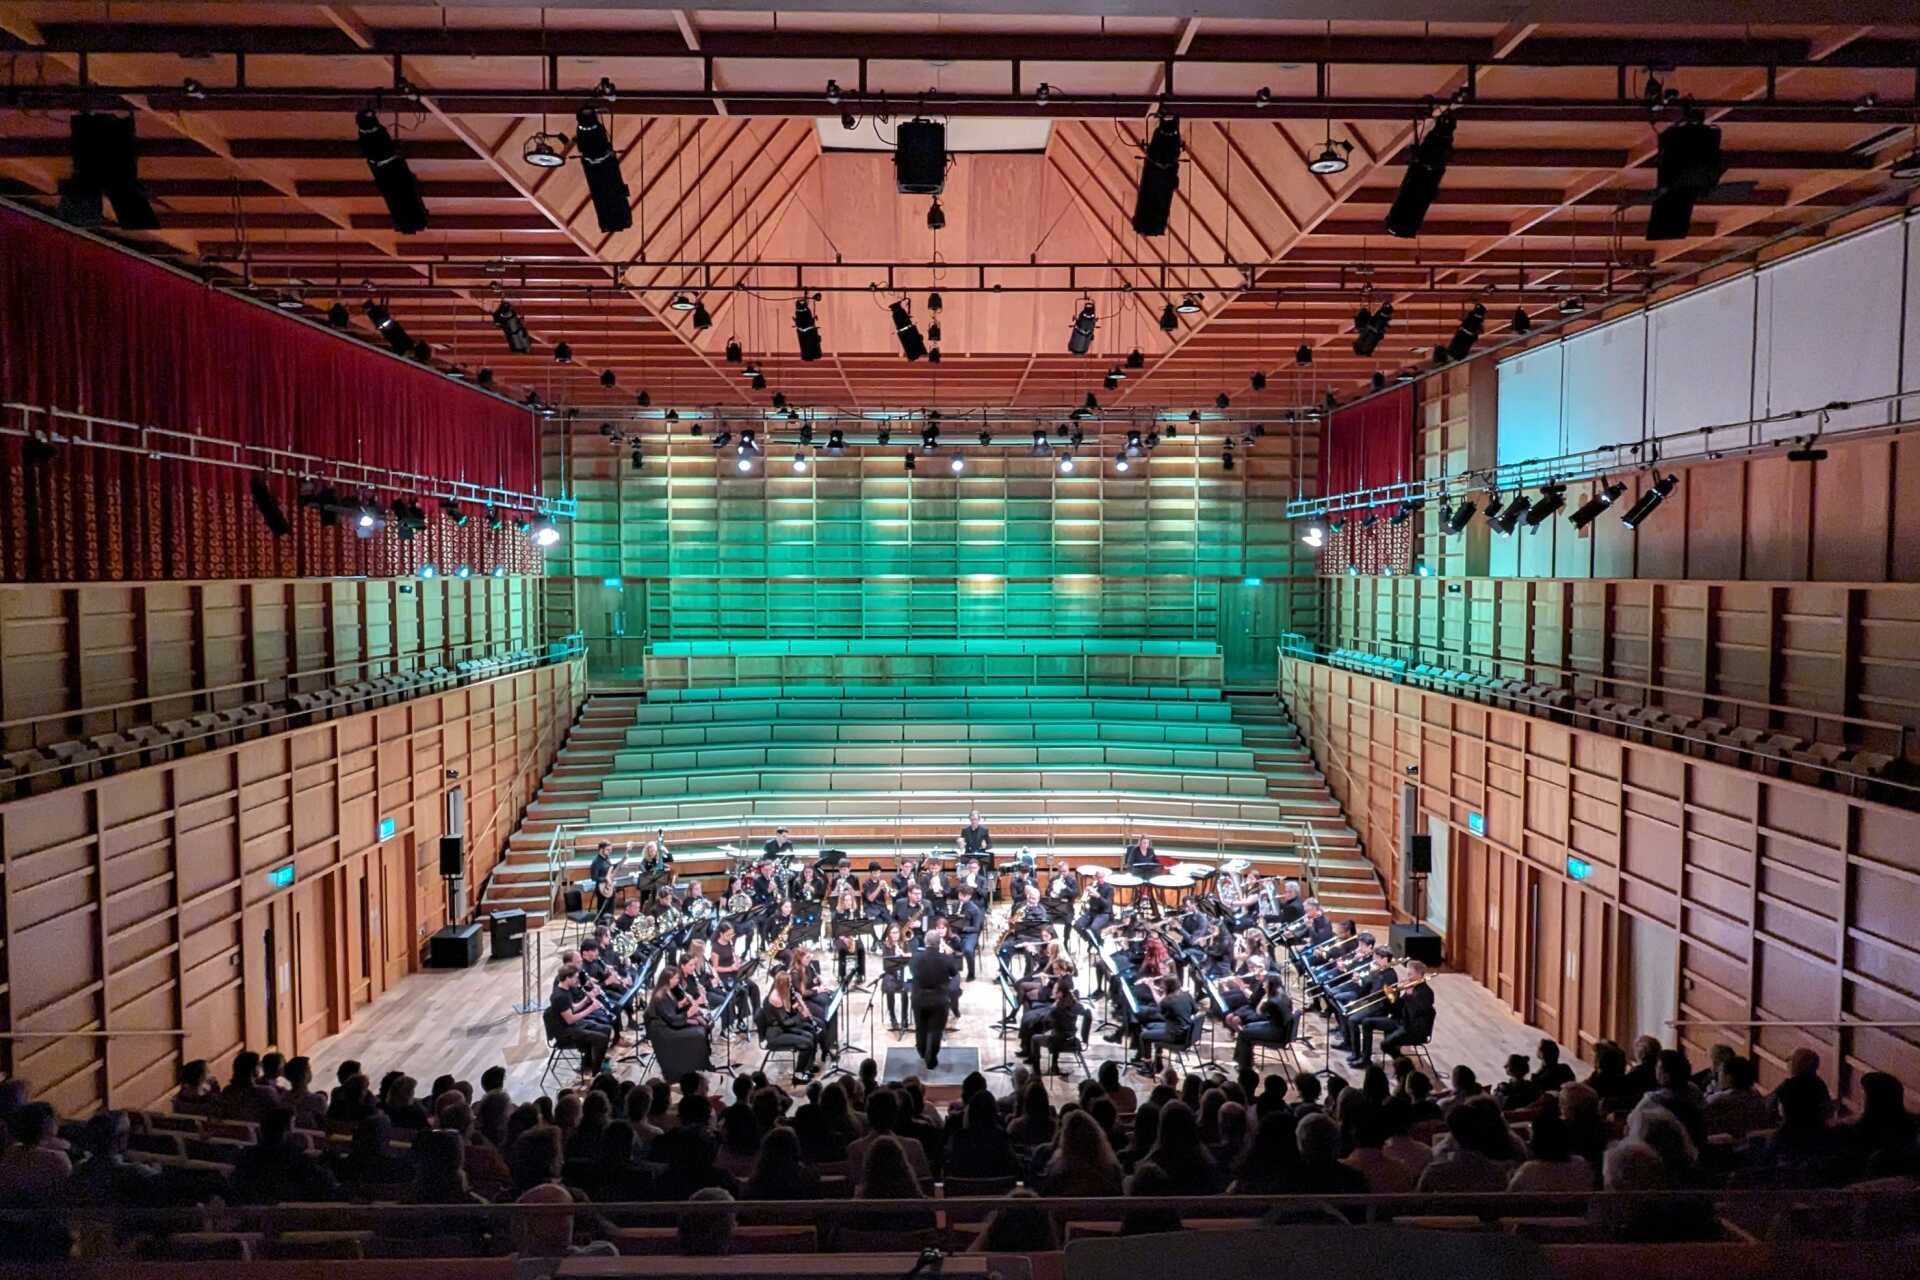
267	974
312	980
396	922
360	914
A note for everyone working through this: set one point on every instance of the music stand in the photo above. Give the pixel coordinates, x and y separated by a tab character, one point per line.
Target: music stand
840	1042
1104	967
1219	1012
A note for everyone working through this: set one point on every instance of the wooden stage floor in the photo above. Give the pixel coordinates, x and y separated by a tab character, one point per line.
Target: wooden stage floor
462	1021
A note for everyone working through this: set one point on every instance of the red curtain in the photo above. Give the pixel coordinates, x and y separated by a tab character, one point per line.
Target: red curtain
1367	446
87	328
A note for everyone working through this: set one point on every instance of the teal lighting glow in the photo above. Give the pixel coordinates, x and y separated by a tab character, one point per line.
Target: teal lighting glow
280	877
1477	823
387	827
1578	868
1249	582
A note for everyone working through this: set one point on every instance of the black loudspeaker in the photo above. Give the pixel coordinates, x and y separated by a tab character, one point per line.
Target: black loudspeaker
1420	855
1415	942
453	857
509	934
920	158
454	948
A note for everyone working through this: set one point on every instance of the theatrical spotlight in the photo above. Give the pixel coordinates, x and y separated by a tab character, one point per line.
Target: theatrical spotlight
1080	338
1510	519
1257	380
1303	355
912	345
1168	320
105	154
1552	498
1136	359
1315	536
1655	494
1590	510
544	535
734	353
1454	519
1121	464
1472	321
958	464
338	316
884	435
1370	327
391	175
1378	381
934	302
1159	178
806	331
563	353
396	335
701	318
680	302
1522	323
519	341
1405	510
936	217
1066	464
1133	447
1426	166
1111	382
1226	457
1495	505
1222	401
639	458
1189	304
1689	168
837	443
612	202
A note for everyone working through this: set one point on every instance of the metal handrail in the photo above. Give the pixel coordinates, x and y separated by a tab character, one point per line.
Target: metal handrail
568	834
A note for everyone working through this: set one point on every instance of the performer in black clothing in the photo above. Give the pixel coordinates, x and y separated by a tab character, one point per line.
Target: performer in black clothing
894	978
574	1019
608	973
1056	1023
1311	929
910	913
1406	1017
1376	980
1273	1022
730	968
975	840
933	970
1141	859
677	1026
1028	929
1289	906
781	845
785	1024
1179	1014
968	920
1099	909
849	938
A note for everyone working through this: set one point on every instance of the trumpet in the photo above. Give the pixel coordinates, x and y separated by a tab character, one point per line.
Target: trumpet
1386	995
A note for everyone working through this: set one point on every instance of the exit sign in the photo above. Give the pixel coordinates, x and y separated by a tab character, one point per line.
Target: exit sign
1578	868
280	877
1477	823
387	827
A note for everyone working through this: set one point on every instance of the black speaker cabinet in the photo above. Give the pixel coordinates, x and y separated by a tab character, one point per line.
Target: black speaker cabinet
920	158
1420	855
509	934
1416	942
453	857
454	947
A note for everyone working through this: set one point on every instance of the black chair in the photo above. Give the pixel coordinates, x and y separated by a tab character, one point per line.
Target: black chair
1076	1044
556	1050
1179	1045
580	920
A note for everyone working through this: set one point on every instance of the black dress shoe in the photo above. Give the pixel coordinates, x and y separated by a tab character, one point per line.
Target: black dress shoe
1355	1060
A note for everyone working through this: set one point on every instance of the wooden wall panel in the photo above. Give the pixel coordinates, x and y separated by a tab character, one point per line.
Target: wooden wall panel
1791	904
140	904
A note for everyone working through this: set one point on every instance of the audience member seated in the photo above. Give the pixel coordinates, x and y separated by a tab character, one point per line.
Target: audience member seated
708	1234
1181	1161
1518	1091
1082	1162
886	1173
32	1168
1735	1108
197	1089
276	1168
779	1173
979	1146
1021	1228
1552	1165
1384	1174
883	1118
1552	1073
1479	1155
371	1166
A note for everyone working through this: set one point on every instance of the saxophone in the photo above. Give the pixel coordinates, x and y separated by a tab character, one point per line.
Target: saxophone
778	941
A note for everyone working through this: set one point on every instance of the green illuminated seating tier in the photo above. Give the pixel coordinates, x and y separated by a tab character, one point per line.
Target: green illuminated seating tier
953	754
1154	695
940	794
713	664
1042	731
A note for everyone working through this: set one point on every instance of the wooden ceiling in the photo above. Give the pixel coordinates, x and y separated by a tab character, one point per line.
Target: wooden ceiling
737	164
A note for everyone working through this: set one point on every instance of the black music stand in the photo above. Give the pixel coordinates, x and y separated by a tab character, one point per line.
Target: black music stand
1133	1010
1219	1012
1108	976
1007	1023
841	1046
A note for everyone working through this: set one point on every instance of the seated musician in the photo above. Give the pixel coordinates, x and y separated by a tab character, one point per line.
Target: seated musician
895	982
1052	968
1406	1018
783	923
966	874
1098	913
1172	1022
1240	990
1141	859
969	919
1288	907
613	978
677	1026
1028	928
814	998
939	886
1366	1000
849	937
576	1020
910	913
1272	1021
1195	931
628	917
1311	929
1063	890
1055	1022
728	966
906	877
1145	977
781	846
786	1024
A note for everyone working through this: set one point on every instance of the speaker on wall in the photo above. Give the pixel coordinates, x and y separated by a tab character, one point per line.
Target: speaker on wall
1420	855
453	857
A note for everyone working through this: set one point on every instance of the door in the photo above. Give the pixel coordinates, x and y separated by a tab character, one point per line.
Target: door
311	983
360	877
1250	621
396	924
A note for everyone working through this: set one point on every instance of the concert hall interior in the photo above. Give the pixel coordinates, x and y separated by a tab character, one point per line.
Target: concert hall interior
1314	601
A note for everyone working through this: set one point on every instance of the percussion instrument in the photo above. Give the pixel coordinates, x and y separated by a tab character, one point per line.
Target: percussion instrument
1125	882
1090	869
1169	888
1194	869
1236	866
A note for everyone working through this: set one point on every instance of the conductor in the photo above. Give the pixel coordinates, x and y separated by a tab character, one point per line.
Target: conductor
932	969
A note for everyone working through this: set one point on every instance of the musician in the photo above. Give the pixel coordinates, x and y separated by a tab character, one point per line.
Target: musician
1377	978
1240	990
1311	929
600	872
940	938
894	978
781	846
729	969
814	998
969	920
1022	875
1289	907
907	877
910	913
783	923
1052	967
933	971
785	1024
576	1020
628	917
1406	1017
1273	1022
849	941
1058	1020
1145	976
1063	890
1172	1022
1028	928
1140	858
1099	909
938	887
1245	908
606	976
975	839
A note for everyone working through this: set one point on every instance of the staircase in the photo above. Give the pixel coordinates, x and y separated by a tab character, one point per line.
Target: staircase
1347	884
522	880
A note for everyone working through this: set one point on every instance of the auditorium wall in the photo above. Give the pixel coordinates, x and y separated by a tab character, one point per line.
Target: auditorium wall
252	896
1792	905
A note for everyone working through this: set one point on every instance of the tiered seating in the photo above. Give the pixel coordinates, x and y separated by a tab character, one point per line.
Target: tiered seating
724	663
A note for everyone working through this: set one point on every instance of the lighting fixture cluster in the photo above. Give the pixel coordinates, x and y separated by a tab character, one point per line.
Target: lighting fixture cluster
1507	517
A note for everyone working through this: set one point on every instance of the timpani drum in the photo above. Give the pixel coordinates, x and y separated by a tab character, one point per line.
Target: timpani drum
1125	882
1168	888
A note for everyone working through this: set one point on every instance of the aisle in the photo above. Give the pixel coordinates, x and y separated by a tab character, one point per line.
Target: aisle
461	1021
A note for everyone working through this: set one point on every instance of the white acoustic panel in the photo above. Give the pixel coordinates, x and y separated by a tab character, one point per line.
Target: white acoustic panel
1830	330
1604	400
1700	370
1910	359
1530	406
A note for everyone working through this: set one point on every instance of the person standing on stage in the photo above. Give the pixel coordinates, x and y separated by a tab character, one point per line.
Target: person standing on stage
781	845
975	840
933	971
969	919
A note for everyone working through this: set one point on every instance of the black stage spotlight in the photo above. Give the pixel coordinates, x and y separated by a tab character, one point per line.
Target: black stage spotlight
563	353
936	217
758	382
933	355
1226	458
806	330
934	302
1590	510
1090	404
1222	401
1509	520
639	458
1455	519
607	379
912	345
383	322
105	165
1426	166
643	399
884	435
1689	168
701	318
519	341
391	175
837	443
920	159
1521	323
1645	504
1552	498
338	316
1168	320
1495	505
933	333
1303	355
734	354
1378	381
483	378
908	460
612	202
1080	339
1159	178
1257	380
1404	512
1136	359
269	507
1111	382
1369	327
1468	331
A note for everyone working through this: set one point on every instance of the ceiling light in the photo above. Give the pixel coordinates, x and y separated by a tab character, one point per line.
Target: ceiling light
743	462
681	302
958	464
1315	536
1263	97
734	353
338	315
799	462
847	121
1521	323
702	319
1590	510
383	322
1370	328
1168	320
1571	305
1509	520
1226	458
1042	94
1080	338
751	371
833	93
1303	355
806	331
1472	321
912	345
1066	464
1222	401
1331	159
1136	360
1552	498
1111	381
936	217
1121	464
643	399
391	175
541	153
1649	499
289	301
1420	186
1258	380
563	353
1378	381
934	301
1455	519
1689	167
1189	304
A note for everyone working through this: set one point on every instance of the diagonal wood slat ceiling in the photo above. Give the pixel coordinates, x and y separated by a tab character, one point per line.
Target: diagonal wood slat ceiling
737	168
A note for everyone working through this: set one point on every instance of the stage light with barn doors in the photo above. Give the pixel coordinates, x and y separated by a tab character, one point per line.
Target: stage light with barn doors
391	175
545	535
1168	320
936	217
1456	518
1159	178
387	327
1080	337
1552	498
1689	167
1467	332
912	345
1521	324
1509	520
1589	511
1650	500
1420	185
612	202
734	353
806	331
1136	359
1303	355
105	154
1370	327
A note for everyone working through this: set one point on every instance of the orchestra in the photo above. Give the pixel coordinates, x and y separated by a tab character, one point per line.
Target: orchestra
1187	947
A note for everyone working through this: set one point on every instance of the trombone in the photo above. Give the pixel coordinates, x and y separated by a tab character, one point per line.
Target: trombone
1385	995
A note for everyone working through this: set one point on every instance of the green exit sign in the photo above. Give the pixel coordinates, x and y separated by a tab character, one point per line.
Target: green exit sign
1477	823
1578	868
387	827
280	877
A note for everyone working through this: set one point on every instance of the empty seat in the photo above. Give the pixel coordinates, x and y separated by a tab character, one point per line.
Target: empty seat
115	752
78	760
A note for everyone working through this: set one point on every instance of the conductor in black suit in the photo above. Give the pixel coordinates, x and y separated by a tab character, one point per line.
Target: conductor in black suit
933	969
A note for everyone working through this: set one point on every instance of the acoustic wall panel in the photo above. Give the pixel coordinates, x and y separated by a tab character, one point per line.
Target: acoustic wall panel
1829	329
1530	397
1700	367
1910	358
1604	385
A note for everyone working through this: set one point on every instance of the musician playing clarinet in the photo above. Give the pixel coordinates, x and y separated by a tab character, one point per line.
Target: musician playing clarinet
785	1024
849	937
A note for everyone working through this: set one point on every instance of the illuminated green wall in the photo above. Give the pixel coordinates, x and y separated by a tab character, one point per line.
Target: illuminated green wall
1178	547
